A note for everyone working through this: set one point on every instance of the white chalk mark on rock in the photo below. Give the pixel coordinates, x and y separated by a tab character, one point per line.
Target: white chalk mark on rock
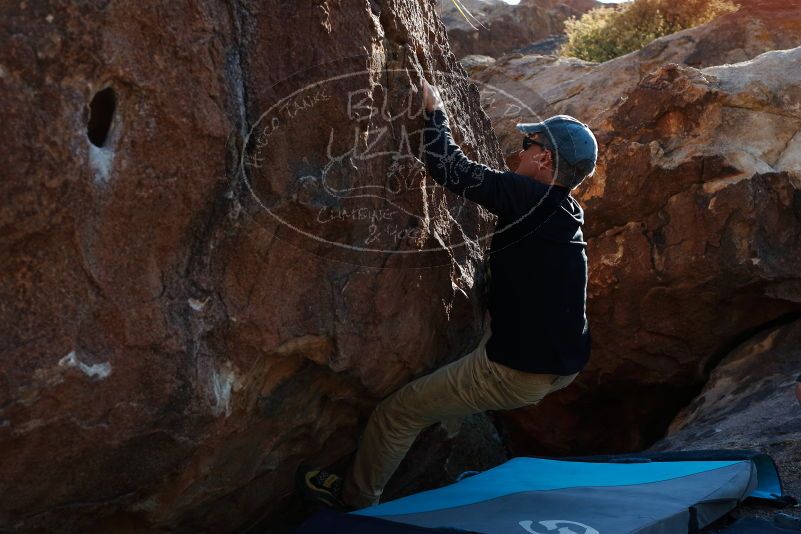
96	370
223	383
101	160
198	305
148	505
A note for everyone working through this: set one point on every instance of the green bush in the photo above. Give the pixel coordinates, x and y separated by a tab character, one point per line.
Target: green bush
605	33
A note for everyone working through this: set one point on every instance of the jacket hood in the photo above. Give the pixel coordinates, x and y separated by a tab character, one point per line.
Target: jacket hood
564	226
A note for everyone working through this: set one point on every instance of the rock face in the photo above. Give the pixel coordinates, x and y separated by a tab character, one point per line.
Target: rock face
507	27
190	307
550	85
693	222
749	403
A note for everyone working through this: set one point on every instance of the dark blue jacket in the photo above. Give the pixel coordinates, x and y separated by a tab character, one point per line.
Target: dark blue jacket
537	260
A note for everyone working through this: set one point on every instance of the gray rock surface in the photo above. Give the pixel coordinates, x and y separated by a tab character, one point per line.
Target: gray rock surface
749	403
502	28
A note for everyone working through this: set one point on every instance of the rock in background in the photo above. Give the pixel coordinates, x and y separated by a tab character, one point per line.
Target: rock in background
549	84
749	403
693	217
507	27
170	351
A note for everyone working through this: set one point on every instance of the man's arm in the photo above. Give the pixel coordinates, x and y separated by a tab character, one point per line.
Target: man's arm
500	192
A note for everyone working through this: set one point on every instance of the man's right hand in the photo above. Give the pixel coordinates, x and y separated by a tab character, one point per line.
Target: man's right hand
431	97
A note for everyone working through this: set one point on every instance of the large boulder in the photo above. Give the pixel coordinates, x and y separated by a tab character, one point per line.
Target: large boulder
549	85
693	220
190	307
749	403
502	27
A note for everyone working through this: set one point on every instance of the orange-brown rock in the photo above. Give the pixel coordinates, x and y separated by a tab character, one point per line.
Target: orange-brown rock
173	345
693	217
550	85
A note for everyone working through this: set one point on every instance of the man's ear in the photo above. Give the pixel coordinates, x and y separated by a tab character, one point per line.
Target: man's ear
513	160
548	158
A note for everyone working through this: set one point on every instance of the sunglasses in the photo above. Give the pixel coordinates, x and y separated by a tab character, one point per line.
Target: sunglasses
528	141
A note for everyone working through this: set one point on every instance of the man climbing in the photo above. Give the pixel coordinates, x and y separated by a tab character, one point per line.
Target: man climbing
539	337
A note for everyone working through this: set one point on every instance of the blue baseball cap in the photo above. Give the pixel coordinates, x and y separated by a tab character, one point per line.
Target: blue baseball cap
572	138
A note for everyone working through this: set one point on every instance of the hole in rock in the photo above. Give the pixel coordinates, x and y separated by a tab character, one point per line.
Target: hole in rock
101	112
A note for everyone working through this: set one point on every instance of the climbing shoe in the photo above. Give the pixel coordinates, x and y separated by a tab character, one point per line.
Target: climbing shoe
321	486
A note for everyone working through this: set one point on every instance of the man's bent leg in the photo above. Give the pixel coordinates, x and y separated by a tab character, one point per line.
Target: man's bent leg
455	390
469	385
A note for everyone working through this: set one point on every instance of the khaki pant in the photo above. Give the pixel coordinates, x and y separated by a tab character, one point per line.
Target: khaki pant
469	385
